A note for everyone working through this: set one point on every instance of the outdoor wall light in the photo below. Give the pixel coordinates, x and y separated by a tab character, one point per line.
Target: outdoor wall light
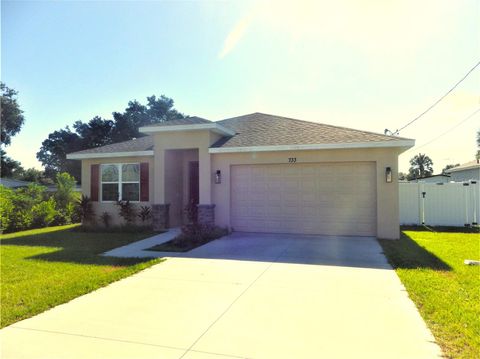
218	177
388	174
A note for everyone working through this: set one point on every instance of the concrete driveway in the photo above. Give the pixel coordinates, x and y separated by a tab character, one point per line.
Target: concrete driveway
244	296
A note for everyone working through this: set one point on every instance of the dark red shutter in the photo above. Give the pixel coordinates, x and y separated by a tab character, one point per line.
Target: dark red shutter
144	195
94	181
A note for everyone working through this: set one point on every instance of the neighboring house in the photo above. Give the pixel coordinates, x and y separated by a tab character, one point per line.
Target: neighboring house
254	173
466	172
14	183
441	178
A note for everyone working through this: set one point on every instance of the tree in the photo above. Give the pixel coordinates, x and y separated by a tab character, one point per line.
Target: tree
11	115
53	153
447	167
478	144
11	121
420	166
136	115
9	166
99	132
32	175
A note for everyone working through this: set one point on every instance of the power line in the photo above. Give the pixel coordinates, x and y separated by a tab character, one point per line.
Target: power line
436	102
449	130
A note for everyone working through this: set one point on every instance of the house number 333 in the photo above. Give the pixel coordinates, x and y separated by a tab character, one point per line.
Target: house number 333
292	159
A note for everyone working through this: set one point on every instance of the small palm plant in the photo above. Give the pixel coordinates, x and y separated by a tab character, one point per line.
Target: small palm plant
145	213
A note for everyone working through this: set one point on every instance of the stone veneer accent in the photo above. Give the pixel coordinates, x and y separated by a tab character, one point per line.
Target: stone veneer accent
206	214
160	216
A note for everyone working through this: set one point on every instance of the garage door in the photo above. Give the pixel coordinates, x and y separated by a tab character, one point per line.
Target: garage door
316	198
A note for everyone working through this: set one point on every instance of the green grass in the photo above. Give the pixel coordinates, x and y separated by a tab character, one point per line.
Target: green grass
444	289
43	268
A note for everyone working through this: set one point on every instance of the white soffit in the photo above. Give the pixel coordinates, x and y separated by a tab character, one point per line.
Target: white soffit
84	156
215	127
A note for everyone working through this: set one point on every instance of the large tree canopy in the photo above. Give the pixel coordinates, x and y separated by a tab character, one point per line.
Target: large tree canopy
11	114
421	166
99	132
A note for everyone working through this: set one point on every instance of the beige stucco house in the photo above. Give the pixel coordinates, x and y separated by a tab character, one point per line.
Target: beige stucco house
254	173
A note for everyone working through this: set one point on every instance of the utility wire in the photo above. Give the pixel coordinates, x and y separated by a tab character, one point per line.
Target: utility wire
436	102
449	130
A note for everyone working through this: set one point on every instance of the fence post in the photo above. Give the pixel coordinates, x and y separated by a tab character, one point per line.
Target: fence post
474	190
465	191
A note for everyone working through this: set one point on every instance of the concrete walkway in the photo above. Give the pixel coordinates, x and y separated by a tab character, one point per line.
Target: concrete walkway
244	296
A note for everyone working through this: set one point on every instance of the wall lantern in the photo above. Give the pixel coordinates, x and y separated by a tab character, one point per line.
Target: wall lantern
388	174
218	177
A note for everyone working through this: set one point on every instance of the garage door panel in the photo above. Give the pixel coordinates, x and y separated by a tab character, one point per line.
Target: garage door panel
318	198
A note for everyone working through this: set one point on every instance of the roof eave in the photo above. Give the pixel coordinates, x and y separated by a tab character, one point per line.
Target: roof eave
401	144
85	156
214	127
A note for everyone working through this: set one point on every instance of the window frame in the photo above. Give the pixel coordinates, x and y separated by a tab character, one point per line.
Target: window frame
120	181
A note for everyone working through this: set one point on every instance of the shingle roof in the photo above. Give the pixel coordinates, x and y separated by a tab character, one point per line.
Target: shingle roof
191	120
465	166
13	183
258	129
139	144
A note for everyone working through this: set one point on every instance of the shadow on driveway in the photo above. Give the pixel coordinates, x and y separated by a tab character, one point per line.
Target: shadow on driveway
362	252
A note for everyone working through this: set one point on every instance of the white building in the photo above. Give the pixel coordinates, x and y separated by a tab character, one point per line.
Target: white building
465	172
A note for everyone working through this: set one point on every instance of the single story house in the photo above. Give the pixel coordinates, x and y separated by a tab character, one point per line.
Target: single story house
469	171
441	178
253	173
13	183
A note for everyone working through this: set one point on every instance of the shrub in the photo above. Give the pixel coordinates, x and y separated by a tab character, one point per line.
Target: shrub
106	218
87	214
199	233
191	210
65	190
145	213
6	207
23	200
127	211
44	213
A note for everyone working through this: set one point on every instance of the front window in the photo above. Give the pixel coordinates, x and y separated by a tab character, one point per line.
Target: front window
120	182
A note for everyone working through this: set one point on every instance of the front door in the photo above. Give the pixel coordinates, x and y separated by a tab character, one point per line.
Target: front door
193	192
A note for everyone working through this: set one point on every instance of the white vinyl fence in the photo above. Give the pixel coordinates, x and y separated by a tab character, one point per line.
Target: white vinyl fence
445	204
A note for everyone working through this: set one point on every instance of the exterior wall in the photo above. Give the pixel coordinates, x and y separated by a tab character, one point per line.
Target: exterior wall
465	175
387	193
200	140
100	207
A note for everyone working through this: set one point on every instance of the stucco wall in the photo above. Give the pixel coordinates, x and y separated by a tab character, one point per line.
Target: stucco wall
200	140
111	208
387	193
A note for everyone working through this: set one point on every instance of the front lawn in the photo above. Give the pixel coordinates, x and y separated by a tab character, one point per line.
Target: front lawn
444	289
45	267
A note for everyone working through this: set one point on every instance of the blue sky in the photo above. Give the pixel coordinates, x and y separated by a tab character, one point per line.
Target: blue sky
370	65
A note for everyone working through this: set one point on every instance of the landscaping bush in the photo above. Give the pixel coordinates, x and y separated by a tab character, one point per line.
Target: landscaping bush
145	213
23	200
106	218
33	207
43	213
66	200
127	211
85	209
199	233
6	208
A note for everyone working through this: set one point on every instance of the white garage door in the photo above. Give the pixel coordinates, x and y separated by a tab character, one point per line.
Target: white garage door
315	198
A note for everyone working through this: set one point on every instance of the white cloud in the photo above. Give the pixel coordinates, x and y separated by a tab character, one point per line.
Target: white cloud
234	37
